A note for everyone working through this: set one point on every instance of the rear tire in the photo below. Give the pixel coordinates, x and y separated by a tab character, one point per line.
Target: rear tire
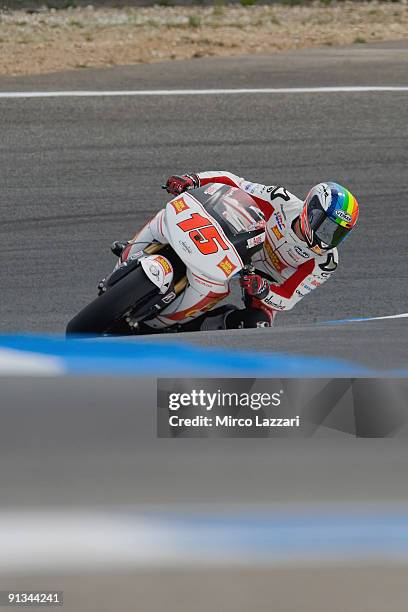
108	310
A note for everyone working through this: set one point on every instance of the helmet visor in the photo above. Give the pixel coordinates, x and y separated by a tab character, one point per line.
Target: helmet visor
330	233
326	232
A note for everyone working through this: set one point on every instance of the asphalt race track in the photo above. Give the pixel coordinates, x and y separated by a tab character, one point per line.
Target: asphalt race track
77	173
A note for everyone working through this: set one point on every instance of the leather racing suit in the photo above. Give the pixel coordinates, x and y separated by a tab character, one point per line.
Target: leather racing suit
291	269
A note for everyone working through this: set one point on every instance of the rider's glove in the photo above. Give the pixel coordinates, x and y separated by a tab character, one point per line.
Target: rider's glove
255	285
177	184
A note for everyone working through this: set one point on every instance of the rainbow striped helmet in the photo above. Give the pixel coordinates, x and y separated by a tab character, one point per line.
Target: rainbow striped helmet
329	213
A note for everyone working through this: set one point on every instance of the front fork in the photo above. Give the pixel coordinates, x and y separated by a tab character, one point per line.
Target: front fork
151	249
133	260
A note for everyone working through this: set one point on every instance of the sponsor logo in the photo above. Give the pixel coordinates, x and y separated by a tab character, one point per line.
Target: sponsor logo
226	266
154	270
163	263
315	283
279	220
300	252
169	297
136	255
274	259
272	302
213	188
256	226
277	233
179	205
299	293
251	242
343	215
200	281
185	246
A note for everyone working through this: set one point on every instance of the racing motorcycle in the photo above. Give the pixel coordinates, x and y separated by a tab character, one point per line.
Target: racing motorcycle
213	230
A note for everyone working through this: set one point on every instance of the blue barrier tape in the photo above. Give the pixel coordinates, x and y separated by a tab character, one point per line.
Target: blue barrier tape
150	358
359	531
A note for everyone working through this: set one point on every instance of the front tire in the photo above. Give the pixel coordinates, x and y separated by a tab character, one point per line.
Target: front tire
132	293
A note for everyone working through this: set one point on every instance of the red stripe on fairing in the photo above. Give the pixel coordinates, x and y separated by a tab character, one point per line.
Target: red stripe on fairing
266	208
207	280
211	296
126	252
287	289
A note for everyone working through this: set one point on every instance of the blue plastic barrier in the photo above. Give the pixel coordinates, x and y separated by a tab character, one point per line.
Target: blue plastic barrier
112	356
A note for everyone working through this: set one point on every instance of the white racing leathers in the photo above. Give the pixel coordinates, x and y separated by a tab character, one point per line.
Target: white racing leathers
290	267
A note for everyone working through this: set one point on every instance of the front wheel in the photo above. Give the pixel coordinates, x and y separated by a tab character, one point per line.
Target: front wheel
135	292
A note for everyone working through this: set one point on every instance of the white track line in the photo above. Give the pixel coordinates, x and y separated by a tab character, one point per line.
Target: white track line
201	92
397	316
356	320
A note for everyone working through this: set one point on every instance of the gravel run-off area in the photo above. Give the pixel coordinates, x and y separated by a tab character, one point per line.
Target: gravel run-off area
50	40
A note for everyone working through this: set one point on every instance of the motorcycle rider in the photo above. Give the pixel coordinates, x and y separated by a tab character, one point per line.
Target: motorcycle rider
299	253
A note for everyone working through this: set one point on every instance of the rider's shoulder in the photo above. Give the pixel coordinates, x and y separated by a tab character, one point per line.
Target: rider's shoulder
277	194
327	262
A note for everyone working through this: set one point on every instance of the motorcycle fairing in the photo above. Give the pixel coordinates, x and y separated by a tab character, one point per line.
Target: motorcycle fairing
199	240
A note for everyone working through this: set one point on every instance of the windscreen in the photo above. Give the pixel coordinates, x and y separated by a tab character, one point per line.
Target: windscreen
234	208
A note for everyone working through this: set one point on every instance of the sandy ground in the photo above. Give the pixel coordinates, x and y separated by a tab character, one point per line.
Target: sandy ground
51	40
370	588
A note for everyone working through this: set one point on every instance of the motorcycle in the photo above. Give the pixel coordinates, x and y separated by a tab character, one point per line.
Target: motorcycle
213	230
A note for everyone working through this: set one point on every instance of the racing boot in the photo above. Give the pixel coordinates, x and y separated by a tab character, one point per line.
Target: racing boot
217	318
247	318
231	317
